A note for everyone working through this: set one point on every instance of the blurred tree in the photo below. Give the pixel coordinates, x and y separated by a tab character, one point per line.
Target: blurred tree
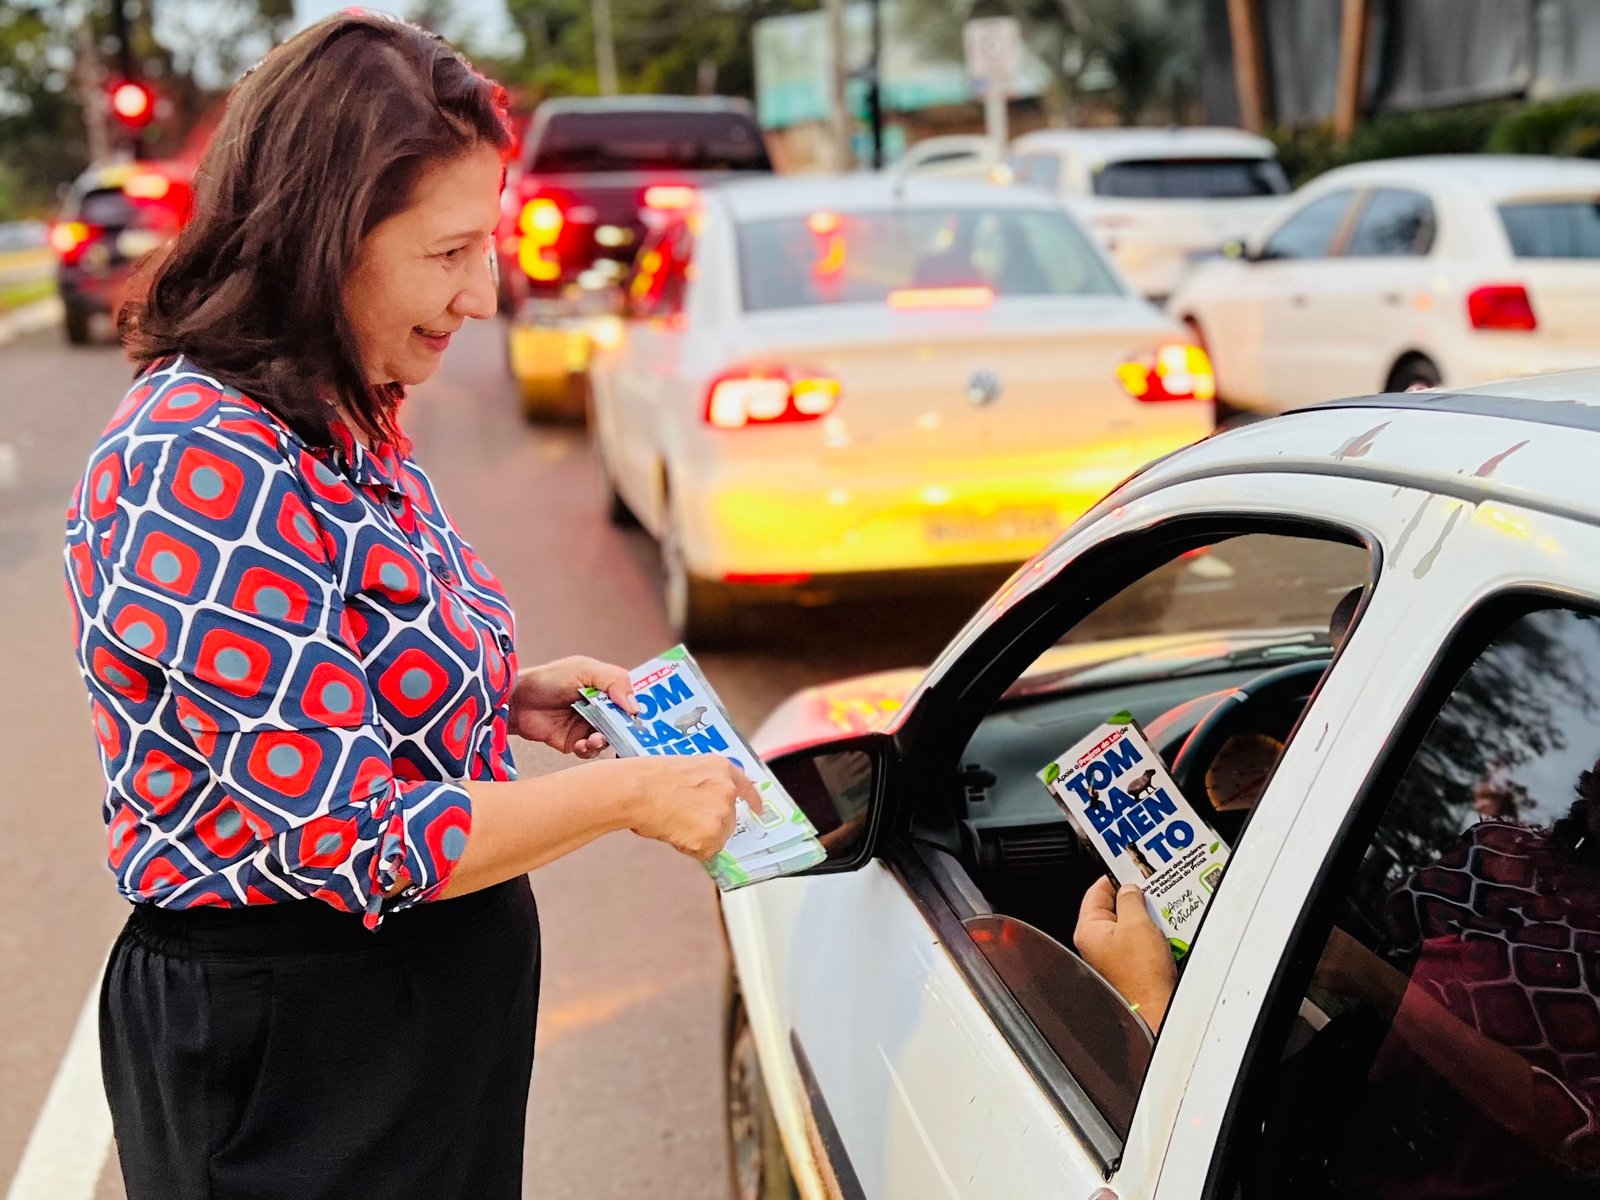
1140	58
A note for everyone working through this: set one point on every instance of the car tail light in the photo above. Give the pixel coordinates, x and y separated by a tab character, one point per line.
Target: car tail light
669	197
70	238
941	297
540	224
1177	371
769	396
1501	306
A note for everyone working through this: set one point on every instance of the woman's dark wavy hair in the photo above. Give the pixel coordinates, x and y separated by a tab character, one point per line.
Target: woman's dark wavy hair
321	142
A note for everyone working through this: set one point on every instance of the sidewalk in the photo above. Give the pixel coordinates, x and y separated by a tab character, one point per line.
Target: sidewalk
30	318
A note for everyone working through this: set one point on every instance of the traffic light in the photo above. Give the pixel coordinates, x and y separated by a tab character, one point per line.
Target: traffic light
132	103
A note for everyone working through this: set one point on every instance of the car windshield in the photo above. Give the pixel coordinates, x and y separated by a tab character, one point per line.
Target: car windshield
649	141
1191	178
108	206
1553	229
913	258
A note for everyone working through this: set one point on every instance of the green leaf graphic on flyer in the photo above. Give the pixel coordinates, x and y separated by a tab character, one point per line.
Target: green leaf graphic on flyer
1122	718
1179	948
676	654
1052	773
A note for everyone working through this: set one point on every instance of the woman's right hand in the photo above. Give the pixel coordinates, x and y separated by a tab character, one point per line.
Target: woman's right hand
686	800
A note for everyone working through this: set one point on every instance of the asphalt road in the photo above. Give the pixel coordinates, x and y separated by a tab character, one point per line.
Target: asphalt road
627	1097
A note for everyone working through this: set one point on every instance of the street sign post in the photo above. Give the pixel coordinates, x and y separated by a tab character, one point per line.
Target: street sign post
993	47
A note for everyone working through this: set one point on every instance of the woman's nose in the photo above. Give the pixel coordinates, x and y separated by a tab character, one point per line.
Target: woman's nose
477	298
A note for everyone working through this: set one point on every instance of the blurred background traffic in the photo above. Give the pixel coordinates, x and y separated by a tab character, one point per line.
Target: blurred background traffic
817	318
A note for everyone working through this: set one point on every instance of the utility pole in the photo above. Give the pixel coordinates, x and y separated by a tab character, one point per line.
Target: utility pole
875	85
605	48
1352	64
839	121
1249	72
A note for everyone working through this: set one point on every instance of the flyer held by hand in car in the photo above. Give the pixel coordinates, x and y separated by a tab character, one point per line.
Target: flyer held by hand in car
680	714
1116	790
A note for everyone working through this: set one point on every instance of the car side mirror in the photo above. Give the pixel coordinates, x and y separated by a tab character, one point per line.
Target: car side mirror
840	786
1238	248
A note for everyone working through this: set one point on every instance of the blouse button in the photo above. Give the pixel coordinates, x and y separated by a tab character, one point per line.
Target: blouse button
505	643
397	502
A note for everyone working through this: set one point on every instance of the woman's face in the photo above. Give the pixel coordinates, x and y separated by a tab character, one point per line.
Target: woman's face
420	274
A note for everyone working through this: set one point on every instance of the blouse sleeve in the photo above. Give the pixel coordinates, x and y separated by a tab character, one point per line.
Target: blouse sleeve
262	675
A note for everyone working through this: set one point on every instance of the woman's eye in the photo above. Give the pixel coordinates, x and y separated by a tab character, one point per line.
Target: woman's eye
455	255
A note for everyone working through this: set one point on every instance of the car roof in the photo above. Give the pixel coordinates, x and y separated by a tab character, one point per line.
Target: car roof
1116	145
1527	442
1490	175
796	195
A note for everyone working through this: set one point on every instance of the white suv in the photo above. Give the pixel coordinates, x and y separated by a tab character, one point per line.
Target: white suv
1158	199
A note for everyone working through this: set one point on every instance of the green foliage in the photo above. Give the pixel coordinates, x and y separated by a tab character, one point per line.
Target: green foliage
1569	126
1310	150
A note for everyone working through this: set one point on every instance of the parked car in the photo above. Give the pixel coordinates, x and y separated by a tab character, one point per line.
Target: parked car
1421	272
113	215
835	385
593	176
1379	691
1159	199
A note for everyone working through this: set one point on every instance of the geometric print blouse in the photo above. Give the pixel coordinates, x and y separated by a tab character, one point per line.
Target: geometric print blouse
293	659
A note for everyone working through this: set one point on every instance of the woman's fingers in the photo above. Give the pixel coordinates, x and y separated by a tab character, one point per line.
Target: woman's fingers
1099	905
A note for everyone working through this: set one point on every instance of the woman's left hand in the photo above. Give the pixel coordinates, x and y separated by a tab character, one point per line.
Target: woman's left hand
541	703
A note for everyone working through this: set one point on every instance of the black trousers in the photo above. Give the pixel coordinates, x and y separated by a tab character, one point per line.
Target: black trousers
283	1052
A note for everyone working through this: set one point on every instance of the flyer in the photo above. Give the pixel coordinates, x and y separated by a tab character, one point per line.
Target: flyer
1116	790
681	714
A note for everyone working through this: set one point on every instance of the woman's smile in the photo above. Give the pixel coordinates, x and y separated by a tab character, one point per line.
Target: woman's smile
433	339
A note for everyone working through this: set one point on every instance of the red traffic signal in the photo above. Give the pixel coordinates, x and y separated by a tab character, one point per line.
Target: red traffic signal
133	104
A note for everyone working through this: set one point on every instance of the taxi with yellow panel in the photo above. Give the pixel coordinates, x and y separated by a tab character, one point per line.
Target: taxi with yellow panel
839	385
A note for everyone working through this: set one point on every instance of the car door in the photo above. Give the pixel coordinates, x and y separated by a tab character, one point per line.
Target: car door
1371	302
907	1071
656	291
1402	1023
1292	269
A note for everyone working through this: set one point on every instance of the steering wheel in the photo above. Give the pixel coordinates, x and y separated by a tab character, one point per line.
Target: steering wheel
1240	711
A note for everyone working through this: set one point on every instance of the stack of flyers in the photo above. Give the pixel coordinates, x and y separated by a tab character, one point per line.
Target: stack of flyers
1116	790
680	714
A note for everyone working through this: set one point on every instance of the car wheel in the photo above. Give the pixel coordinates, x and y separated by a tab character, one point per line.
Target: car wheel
700	613
756	1158
76	325
1413	374
617	511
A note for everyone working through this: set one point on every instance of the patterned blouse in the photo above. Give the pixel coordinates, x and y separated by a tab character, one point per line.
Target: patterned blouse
293	659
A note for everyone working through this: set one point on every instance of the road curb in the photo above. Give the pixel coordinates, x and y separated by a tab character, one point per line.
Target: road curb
30	318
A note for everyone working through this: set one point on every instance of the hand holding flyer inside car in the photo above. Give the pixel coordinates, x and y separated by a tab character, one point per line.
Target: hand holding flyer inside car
680	714
1116	790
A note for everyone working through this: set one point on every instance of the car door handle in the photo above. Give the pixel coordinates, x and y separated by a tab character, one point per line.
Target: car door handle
1298	301
1392	297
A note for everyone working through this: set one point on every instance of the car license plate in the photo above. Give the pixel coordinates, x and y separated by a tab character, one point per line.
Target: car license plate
1011	523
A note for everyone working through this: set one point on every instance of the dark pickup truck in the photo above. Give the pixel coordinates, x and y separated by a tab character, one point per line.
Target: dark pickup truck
592	177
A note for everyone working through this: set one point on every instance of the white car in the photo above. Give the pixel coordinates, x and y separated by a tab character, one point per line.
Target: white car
1450	271
1378	682
1158	199
835	384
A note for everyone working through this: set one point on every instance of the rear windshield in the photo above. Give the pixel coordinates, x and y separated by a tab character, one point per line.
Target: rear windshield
647	141
1191	179
1559	229
106	207
914	255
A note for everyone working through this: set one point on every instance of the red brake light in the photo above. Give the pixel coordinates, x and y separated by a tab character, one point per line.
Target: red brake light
69	238
941	297
769	396
1501	306
669	197
1177	371
540	223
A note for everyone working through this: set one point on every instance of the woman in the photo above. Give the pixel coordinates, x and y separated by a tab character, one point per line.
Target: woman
302	679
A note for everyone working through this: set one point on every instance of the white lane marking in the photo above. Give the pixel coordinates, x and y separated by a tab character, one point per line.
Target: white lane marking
71	1140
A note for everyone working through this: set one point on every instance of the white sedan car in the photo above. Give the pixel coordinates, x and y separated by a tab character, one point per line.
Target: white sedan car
1389	275
1158	199
1380	686
831	385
